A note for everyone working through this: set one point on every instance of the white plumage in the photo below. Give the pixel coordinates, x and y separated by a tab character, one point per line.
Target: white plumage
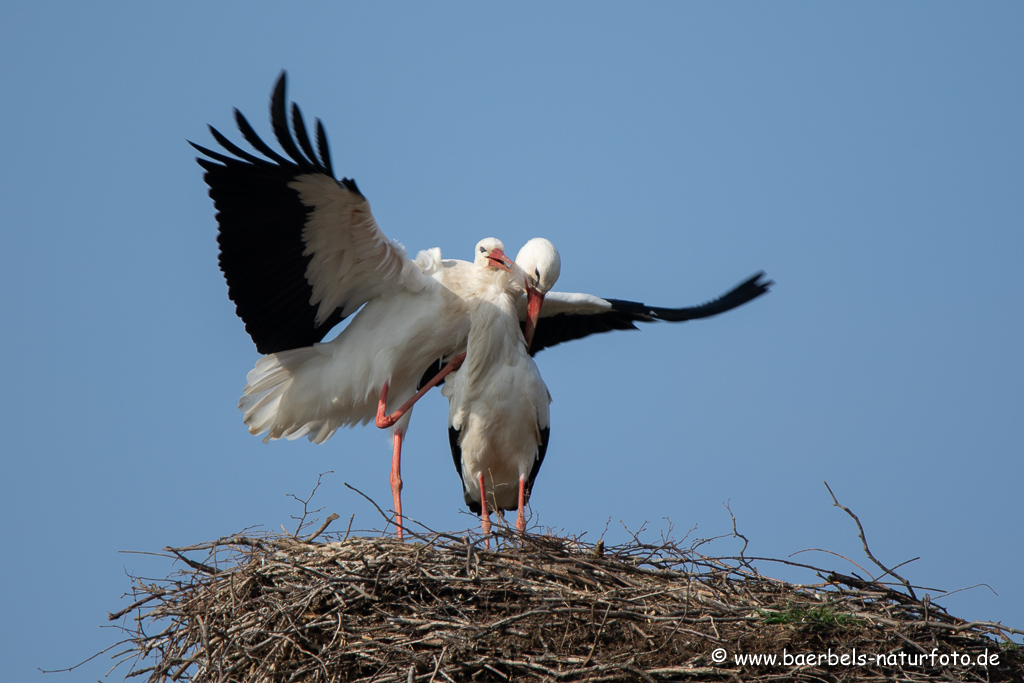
498	417
313	391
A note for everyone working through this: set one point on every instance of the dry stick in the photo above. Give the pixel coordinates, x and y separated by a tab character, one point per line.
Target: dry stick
389	520
437	665
946	594
86	661
327	522
597	637
195	565
138	603
830	552
864	541
305	503
736	533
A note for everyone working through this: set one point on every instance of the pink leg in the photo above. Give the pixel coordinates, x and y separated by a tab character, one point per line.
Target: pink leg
485	516
521	517
384	420
396	482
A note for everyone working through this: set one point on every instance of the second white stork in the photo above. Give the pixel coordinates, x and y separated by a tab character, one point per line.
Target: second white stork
498	419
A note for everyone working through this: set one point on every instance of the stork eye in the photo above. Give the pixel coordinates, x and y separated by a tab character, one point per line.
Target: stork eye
536	273
483	250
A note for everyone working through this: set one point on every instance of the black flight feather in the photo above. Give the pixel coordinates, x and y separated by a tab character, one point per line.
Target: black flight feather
261	220
323	149
622	315
299	126
253	139
279	122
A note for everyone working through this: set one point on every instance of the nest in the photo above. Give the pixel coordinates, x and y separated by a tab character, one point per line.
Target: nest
542	608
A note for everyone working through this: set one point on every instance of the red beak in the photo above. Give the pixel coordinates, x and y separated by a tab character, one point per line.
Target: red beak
534	300
497	259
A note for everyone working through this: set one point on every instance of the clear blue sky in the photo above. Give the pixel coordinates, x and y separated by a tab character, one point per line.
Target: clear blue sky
870	158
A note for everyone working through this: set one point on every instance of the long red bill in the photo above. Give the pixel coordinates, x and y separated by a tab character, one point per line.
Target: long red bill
534	300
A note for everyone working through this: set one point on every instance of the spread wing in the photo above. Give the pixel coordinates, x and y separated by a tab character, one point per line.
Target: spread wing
299	249
566	316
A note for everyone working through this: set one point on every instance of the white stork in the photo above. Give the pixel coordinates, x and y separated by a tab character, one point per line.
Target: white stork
301	252
498	418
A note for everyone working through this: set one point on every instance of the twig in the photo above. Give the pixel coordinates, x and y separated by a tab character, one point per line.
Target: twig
305	504
327	522
867	550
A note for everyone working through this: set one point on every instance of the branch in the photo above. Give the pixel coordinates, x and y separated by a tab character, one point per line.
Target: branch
867	550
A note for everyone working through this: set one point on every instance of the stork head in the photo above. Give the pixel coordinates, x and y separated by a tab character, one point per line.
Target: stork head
541	265
490	252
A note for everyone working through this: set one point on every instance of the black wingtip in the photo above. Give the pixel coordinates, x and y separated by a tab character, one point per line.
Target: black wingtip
745	292
759	284
302	135
351	186
322	148
261	219
751	288
279	122
756	281
280	85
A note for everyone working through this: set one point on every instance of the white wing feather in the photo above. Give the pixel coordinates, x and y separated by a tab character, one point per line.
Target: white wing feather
351	259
